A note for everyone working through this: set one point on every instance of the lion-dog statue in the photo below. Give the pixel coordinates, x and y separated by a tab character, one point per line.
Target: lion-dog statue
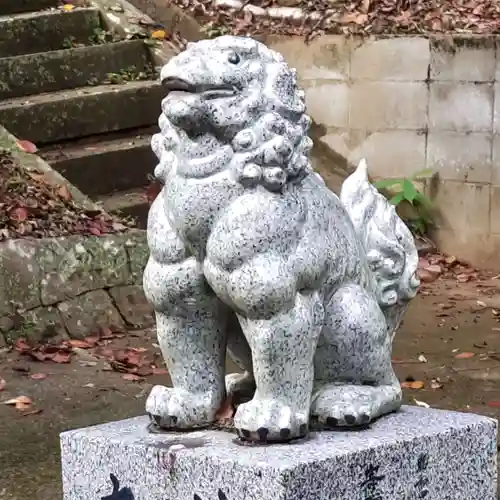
252	255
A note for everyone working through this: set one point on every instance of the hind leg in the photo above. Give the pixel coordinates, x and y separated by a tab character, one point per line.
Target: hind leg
354	379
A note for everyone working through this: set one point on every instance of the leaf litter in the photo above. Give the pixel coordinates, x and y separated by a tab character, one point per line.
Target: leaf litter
366	17
32	207
133	362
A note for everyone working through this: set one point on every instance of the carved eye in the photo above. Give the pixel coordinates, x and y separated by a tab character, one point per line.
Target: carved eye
233	58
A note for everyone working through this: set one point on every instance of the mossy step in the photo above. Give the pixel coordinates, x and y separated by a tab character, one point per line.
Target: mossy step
132	203
72	68
16	6
49	118
33	32
104	164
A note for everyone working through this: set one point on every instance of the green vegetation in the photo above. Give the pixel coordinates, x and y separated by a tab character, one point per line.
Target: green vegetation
412	205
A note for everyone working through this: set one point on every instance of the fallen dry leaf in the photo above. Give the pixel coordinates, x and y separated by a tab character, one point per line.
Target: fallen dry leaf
436	384
68	7
26	146
415	384
226	412
64	192
160	371
21	402
61	357
423	404
158	34
38	376
21	345
19	214
131	377
464	355
82	344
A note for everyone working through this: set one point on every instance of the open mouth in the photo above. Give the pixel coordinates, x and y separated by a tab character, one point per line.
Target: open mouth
178	85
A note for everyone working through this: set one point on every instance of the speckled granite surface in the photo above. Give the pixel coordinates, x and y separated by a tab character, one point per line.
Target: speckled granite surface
414	454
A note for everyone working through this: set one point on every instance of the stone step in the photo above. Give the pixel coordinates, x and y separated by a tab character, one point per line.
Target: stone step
51	118
72	68
28	33
16	6
132	203
99	165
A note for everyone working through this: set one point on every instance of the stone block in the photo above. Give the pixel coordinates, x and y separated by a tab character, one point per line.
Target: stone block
392	153
463	208
386	59
325	58
415	453
328	103
460	157
40	325
461	107
45	31
497	58
74	265
137	249
388	105
495	210
467	59
495	175
77	113
67	69
496	116
133	306
19	276
88	312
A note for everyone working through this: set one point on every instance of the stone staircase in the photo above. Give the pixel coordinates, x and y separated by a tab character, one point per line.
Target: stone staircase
85	94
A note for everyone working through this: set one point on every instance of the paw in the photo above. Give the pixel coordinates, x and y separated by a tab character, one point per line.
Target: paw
265	420
352	405
241	386
173	408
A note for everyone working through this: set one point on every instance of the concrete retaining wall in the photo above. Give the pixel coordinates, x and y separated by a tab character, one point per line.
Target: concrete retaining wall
69	287
409	103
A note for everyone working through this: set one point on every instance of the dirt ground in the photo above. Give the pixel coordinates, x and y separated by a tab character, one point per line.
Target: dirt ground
448	319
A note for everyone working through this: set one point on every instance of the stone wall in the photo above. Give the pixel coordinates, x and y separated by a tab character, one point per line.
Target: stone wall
69	287
410	103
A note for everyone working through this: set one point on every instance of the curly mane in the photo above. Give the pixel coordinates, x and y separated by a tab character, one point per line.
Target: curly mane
265	143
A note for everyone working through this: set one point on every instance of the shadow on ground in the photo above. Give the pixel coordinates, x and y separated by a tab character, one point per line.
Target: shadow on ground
446	320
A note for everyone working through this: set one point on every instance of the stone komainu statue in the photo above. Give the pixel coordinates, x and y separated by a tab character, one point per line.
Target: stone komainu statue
251	254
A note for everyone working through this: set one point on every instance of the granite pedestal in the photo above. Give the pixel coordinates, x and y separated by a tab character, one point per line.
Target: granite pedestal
414	454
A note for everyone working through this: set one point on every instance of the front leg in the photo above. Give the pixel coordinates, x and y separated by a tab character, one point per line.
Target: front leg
282	327
191	328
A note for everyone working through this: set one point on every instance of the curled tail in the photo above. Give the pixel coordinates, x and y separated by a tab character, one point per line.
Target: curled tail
390	247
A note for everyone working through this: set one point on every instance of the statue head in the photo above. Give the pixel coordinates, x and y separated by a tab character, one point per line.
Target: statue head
233	104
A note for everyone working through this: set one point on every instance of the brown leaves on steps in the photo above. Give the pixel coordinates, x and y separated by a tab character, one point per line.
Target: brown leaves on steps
30	206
